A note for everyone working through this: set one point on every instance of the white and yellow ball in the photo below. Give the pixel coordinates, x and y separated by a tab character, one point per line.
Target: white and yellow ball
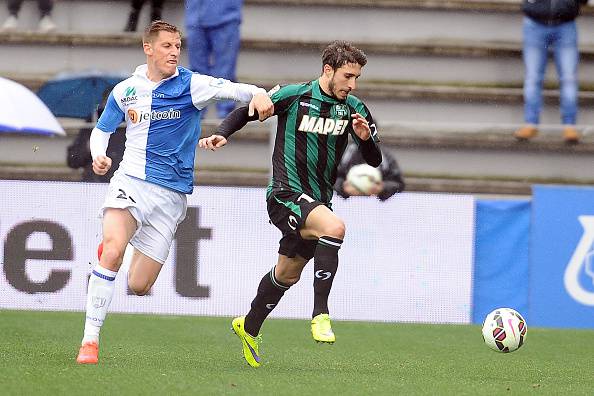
363	177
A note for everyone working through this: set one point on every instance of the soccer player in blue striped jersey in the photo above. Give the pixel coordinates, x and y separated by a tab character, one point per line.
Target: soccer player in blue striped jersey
146	199
315	120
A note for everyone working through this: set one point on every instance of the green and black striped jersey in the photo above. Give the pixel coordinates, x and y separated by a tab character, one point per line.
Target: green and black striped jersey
311	137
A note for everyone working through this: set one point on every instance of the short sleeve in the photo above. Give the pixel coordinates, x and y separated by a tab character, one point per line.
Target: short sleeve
111	117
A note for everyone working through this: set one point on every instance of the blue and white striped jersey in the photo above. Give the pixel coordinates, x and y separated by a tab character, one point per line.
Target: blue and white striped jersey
163	122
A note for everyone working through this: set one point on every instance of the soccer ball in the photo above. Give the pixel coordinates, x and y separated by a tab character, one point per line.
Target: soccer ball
363	177
504	330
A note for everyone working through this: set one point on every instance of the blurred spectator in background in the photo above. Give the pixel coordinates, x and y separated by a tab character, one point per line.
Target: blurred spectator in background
46	24
213	40
79	152
550	24
392	178
156	12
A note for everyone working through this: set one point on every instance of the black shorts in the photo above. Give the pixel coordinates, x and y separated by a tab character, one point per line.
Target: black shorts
288	211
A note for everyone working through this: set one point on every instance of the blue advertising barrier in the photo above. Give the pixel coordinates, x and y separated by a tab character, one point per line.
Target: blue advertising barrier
562	257
501	257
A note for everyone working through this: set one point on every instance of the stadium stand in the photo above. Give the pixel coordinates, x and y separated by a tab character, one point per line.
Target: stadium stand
444	80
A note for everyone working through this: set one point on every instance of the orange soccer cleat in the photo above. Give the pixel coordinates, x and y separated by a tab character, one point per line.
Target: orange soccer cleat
88	353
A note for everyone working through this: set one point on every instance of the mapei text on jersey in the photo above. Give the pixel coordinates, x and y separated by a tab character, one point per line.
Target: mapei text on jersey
323	126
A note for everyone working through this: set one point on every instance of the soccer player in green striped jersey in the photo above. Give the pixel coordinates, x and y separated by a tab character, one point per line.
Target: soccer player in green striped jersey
314	121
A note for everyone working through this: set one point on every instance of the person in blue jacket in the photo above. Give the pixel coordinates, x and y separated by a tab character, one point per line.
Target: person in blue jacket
213	40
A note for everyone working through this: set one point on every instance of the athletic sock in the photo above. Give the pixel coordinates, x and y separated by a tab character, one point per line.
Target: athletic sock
270	291
99	294
325	266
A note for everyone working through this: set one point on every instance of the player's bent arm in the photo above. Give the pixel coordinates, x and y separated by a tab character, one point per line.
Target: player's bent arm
239	92
98	142
235	121
371	152
206	89
370	147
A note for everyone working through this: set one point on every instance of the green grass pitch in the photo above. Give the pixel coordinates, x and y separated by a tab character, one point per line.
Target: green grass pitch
150	354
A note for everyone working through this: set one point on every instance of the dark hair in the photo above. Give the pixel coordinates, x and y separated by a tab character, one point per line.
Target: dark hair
155	27
338	53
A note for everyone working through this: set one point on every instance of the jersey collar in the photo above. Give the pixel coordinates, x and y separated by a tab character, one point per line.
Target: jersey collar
317	89
143	69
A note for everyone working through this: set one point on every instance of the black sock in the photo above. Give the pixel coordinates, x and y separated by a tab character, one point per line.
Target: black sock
325	266
270	291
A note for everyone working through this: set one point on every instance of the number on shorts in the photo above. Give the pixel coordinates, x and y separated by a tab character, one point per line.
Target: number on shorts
123	195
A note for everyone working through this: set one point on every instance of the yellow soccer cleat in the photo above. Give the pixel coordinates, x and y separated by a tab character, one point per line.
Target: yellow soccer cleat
249	343
321	329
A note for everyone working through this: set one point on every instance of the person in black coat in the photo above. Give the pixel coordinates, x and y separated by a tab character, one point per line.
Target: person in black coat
391	184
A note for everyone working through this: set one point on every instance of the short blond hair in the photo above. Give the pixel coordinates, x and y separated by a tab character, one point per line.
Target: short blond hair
155	27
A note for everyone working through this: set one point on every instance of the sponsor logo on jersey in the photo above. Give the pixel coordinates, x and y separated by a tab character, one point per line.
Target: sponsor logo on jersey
140	116
129	95
323	126
313	106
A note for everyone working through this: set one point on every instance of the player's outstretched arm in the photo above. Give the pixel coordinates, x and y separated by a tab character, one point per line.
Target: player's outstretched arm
231	124
237	120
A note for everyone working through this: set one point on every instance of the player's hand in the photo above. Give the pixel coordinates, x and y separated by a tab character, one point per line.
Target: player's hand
263	104
101	164
361	126
212	142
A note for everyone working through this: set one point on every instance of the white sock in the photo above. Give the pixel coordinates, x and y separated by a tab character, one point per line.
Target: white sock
99	294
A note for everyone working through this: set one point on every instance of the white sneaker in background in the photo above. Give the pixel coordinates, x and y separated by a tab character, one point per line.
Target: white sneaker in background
11	24
46	25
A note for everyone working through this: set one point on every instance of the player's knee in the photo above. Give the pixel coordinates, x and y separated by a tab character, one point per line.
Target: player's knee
111	257
138	288
289	279
141	291
334	229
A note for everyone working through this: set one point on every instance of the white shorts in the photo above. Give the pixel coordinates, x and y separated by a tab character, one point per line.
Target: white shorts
157	210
